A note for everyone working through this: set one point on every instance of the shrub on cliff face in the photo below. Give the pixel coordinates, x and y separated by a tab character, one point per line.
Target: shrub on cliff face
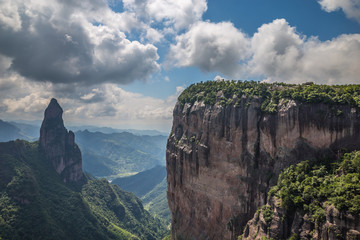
270	93
267	213
309	186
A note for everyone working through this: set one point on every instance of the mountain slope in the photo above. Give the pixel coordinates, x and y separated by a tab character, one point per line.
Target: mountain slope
36	204
9	132
12	131
143	182
314	199
29	130
107	155
150	186
156	202
44	193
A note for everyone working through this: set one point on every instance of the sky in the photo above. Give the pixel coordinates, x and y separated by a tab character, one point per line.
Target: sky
123	63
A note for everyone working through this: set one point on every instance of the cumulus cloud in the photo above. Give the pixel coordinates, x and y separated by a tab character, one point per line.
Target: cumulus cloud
73	42
179	14
275	48
106	104
282	54
276	52
211	47
334	62
350	7
119	107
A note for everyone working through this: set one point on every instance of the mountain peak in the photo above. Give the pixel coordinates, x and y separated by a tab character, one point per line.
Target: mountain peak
53	110
59	144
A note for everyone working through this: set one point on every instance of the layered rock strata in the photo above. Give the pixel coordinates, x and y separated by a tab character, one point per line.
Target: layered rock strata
222	160
59	145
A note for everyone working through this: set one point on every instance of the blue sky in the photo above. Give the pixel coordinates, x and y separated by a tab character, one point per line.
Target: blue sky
248	15
122	63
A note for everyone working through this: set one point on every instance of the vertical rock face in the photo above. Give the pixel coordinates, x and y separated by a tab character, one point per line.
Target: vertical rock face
59	144
222	160
337	225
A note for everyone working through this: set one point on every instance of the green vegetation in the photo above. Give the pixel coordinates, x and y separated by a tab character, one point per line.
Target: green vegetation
156	202
167	237
310	186
267	213
36	204
120	210
294	237
150	186
269	93
142	183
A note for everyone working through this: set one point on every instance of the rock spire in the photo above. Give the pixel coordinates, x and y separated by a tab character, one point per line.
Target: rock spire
59	145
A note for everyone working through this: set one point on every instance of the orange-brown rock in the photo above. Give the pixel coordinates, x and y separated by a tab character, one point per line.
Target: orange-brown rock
221	160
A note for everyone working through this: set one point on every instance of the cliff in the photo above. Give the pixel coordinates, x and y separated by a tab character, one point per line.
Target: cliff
59	145
37	202
229	144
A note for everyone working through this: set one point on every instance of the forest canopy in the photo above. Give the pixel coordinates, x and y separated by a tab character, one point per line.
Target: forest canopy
269	93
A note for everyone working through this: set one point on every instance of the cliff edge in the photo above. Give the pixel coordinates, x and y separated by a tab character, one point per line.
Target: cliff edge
230	141
59	145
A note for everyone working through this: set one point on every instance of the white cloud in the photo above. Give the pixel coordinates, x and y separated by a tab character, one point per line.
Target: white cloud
74	41
334	62
275	49
105	104
153	35
281	54
350	7
9	16
179	14
276	52
211	47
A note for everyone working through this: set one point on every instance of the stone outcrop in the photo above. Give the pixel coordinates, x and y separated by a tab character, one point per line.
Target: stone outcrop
222	160
282	225
59	145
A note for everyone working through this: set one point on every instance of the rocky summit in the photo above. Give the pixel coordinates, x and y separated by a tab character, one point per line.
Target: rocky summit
230	141
59	145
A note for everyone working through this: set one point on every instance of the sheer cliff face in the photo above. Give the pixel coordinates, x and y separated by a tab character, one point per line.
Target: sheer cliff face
59	144
221	161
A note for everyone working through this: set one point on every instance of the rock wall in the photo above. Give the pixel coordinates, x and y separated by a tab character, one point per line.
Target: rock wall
59	144
222	160
338	225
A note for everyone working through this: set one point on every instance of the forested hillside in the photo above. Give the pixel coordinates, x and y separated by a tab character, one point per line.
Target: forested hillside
36	204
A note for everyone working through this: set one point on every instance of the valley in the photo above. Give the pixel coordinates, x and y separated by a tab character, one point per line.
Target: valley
279	162
113	153
44	193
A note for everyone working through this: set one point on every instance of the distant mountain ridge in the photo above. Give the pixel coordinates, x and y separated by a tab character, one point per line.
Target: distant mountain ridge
12	131
106	155
119	147
150	187
109	130
44	195
29	130
142	183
